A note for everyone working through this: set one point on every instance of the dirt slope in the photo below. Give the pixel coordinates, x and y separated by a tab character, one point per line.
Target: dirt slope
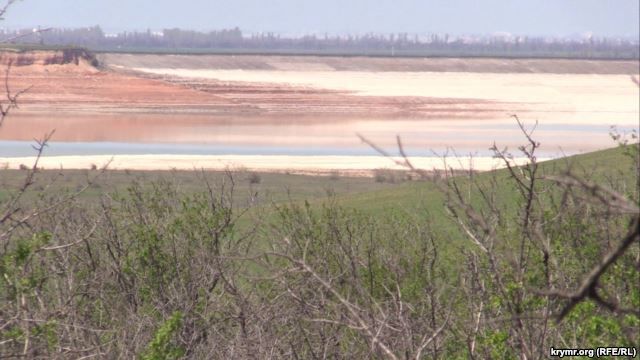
331	63
77	57
84	103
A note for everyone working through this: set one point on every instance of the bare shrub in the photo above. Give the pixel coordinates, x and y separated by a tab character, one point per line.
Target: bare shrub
385	176
528	258
254	178
340	285
539	265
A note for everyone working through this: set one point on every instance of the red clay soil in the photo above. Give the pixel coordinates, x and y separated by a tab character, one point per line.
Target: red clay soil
86	104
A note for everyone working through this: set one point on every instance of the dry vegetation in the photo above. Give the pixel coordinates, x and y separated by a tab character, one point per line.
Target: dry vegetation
536	257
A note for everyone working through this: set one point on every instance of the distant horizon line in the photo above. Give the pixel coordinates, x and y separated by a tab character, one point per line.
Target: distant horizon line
109	30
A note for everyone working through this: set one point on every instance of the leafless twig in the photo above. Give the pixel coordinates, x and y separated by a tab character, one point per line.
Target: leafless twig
12	99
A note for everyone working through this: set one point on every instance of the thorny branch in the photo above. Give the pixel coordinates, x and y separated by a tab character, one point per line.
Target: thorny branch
12	99
5	8
20	36
526	178
589	287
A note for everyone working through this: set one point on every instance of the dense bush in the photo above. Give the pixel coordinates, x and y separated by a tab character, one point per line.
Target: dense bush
157	274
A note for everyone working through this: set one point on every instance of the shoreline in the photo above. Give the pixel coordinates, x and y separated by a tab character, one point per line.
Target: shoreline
307	165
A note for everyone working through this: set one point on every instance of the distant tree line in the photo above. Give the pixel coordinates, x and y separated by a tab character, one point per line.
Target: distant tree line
401	44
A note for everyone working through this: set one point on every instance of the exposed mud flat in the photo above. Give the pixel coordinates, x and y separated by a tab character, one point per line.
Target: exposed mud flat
321	103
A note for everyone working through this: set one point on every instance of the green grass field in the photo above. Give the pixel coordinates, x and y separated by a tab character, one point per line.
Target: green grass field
153	247
269	186
365	194
371	197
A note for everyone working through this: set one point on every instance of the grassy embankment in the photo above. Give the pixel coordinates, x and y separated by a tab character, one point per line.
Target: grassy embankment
371	196
157	257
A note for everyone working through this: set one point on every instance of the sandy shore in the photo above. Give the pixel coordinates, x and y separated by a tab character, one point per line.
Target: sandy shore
306	104
352	165
553	98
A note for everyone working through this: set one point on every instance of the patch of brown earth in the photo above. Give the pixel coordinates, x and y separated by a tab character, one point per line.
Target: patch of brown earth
77	57
83	103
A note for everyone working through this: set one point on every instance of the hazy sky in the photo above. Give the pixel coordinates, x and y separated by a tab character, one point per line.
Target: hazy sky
526	17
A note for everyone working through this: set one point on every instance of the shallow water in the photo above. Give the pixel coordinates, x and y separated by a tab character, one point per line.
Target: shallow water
466	113
420	139
25	148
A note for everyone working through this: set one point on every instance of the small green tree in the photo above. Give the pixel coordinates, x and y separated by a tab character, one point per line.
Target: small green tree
163	345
